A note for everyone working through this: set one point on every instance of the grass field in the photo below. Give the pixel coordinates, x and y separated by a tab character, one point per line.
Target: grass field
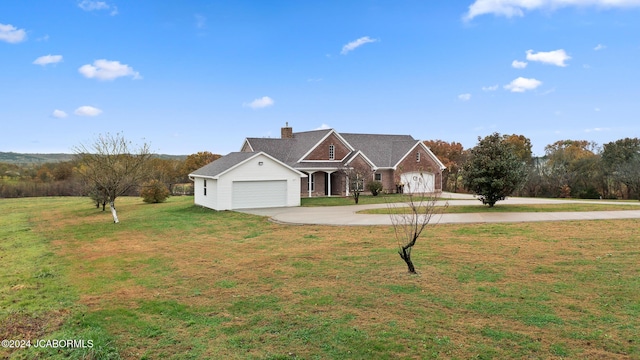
177	281
466	209
347	200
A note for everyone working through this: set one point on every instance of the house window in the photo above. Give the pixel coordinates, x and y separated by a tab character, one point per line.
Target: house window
378	177
418	156
313	182
332	151
205	187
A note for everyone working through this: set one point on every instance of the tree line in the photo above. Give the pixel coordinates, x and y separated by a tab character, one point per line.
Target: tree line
569	168
65	178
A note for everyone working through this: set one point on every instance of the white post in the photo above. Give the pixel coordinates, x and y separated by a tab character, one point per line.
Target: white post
329	180
309	181
347	185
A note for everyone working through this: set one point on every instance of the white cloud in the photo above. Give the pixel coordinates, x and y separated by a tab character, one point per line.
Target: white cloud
59	114
522	84
598	129
48	59
92	5
548	92
356	43
511	8
555	57
596	109
323	127
519	64
11	34
490	88
464	97
89	5
87	111
599	47
260	103
108	70
201	21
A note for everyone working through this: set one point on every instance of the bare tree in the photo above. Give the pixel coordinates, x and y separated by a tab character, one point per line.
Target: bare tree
99	196
110	164
358	175
411	216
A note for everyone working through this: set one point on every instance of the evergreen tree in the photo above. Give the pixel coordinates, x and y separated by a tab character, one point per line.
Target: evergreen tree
493	170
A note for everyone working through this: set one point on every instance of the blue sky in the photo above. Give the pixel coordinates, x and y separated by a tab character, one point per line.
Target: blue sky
188	76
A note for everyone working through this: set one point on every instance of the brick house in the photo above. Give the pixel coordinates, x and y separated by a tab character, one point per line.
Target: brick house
399	162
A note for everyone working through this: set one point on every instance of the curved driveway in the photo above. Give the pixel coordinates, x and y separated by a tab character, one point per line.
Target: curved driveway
347	215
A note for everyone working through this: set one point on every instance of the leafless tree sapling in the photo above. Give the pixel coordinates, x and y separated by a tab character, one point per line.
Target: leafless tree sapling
357	175
410	217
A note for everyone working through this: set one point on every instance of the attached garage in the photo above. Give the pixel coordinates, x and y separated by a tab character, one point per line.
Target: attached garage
418	182
245	180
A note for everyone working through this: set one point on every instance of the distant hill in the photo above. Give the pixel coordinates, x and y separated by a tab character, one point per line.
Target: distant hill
19	158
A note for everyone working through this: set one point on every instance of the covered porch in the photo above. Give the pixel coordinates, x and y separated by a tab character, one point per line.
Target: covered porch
323	182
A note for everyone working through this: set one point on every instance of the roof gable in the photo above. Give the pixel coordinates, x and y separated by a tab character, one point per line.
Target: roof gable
363	156
233	160
426	149
331	144
246	146
318	143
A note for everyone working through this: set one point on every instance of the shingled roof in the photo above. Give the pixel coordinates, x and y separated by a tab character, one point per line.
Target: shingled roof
385	151
223	164
289	151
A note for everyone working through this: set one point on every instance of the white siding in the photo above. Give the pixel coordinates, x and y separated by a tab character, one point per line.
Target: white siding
209	200
220	193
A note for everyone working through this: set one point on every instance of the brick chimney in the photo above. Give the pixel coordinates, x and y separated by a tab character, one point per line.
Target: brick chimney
286	132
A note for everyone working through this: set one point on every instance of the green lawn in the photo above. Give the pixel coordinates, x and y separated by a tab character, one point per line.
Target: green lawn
342	201
177	281
464	209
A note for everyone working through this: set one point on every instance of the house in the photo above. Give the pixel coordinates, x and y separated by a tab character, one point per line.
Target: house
320	161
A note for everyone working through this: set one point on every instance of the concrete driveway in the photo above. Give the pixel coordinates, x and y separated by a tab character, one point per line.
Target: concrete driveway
347	215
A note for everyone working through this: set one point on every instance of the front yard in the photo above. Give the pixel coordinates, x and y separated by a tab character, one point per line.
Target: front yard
177	281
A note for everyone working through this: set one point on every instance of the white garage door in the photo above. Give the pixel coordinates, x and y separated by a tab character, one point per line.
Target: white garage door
415	182
258	194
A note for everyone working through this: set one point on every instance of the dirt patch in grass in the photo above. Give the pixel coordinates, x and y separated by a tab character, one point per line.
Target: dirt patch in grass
130	243
128	296
21	326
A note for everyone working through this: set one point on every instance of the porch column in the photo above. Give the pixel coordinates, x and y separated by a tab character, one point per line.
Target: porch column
346	183
309	181
329	182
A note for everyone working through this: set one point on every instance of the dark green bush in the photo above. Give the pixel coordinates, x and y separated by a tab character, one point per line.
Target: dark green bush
375	187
